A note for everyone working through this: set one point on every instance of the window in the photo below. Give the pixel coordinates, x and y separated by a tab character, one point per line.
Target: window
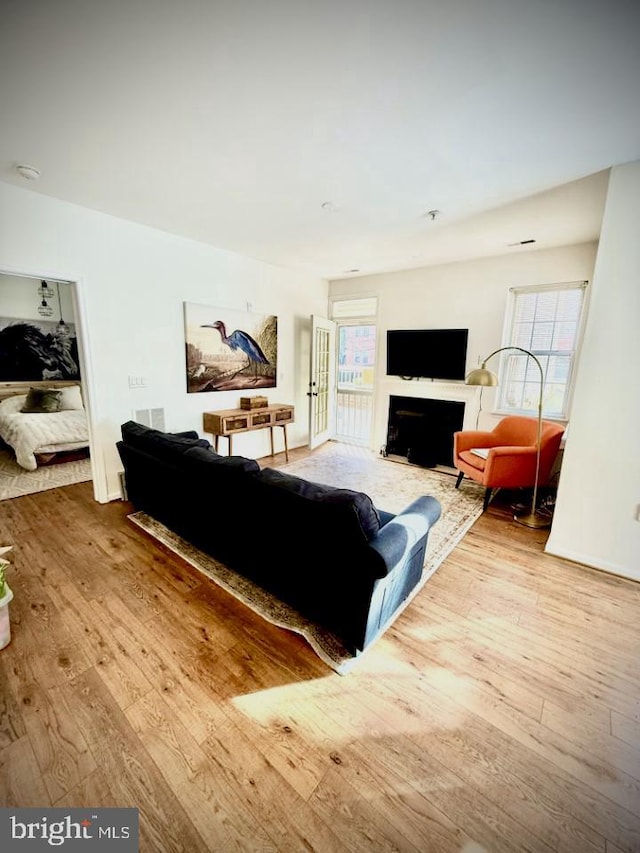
352	309
546	321
356	353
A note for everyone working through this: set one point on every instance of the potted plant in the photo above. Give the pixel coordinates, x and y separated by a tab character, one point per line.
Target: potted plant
5	597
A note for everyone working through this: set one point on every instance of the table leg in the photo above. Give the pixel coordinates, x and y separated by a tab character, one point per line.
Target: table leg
286	446
271	435
230	437
215	442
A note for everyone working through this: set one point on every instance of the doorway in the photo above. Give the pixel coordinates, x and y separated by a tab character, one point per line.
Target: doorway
41	348
357	345
355	385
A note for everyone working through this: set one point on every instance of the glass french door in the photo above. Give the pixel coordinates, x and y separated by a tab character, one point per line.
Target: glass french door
322	380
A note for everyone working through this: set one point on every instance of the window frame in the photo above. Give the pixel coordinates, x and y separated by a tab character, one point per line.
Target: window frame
542	354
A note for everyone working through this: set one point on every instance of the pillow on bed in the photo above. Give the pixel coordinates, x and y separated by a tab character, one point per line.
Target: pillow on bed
42	401
11	405
71	398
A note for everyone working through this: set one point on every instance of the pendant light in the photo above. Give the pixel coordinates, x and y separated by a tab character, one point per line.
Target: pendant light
62	326
44	309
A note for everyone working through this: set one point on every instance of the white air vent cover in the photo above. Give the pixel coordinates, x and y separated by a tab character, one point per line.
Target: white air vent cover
150	417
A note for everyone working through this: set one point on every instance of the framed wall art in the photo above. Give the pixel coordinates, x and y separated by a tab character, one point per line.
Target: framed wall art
32	350
229	350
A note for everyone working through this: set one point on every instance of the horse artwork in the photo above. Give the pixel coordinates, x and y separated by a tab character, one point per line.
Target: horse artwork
229	350
35	350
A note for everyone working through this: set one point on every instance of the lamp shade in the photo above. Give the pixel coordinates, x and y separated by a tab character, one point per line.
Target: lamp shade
482	376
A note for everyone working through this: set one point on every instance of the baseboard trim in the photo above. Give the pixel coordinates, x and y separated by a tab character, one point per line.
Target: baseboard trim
591	562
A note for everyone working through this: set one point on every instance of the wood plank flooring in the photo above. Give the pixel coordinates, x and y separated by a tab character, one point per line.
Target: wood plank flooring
500	713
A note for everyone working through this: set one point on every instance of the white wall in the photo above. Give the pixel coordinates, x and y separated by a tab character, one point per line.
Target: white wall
595	519
469	294
19	299
131	285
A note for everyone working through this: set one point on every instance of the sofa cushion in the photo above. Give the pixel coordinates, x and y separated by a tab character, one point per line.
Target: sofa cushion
164	445
189	433
352	509
208	457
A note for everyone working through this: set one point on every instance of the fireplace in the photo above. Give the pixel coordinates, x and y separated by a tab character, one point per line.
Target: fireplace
422	429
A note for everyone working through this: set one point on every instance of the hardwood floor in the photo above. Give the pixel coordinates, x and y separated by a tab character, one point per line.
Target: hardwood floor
501	712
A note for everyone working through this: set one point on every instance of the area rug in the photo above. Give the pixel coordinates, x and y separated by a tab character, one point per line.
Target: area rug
16	481
391	485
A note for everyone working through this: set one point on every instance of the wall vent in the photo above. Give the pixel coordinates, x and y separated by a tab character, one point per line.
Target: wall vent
153	418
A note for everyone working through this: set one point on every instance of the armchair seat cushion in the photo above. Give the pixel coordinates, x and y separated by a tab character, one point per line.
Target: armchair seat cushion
473	459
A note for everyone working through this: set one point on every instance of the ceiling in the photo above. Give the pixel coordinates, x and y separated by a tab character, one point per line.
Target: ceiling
317	135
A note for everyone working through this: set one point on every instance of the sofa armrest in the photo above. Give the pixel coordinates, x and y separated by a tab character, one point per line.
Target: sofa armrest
400	547
400	535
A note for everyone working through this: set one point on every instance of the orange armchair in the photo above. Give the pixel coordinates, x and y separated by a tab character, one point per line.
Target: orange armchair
511	457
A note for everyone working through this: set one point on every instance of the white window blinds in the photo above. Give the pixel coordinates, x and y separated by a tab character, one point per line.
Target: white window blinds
349	309
546	321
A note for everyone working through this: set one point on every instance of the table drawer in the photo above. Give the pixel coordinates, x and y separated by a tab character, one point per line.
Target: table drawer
284	415
261	419
235	424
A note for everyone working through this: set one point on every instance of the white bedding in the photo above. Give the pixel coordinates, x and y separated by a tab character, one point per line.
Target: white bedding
29	434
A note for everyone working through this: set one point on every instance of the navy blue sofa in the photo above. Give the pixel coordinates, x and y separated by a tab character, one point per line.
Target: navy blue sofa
328	552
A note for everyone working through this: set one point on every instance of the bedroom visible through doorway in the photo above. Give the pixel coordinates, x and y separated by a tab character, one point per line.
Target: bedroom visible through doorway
44	424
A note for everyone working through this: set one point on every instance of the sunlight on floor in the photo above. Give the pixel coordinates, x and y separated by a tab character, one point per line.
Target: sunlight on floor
389	704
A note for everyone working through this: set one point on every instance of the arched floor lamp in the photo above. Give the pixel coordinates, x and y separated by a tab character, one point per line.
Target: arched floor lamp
482	376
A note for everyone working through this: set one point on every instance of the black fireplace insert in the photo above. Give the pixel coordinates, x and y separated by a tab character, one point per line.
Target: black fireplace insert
422	429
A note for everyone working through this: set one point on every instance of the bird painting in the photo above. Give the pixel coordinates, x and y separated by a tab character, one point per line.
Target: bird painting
228	350
239	340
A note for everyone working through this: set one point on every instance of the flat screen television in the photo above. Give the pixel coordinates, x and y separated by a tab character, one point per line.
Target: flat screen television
427	353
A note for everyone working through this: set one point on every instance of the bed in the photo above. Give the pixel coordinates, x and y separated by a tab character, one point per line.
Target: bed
42	434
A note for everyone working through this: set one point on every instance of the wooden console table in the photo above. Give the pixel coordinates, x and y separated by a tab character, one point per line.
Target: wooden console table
228	422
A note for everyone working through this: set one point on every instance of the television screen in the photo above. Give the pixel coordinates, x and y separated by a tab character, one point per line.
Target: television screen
427	353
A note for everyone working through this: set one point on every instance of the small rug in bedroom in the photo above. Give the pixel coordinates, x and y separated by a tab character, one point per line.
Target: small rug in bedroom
391	485
16	481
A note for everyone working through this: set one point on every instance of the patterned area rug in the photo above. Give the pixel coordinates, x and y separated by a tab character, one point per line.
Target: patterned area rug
16	481
391	486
